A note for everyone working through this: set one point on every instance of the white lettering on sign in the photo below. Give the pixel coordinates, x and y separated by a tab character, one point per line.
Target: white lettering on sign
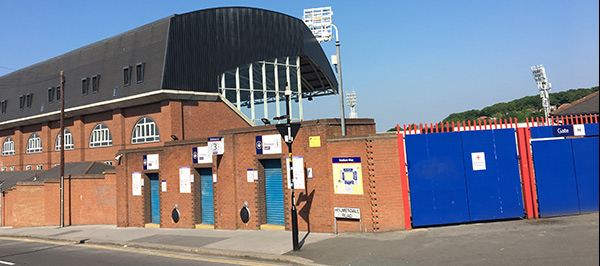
346	213
562	131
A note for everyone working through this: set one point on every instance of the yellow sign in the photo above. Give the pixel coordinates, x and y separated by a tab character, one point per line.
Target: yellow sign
347	176
314	141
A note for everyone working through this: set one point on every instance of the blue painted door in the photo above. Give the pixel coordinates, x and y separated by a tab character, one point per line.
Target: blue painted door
494	192
274	192
585	157
555	177
446	186
155	198
206	192
436	174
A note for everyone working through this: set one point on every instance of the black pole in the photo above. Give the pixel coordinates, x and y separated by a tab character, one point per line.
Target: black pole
289	142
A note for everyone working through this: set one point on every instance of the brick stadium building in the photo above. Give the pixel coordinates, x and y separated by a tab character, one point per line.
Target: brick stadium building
143	107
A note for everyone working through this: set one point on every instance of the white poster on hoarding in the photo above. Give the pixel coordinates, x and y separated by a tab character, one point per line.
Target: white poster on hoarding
185	184
478	159
250	174
136	183
298	172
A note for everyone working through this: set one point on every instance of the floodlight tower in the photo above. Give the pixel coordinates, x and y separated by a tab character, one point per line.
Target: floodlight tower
351	101
319	21
539	74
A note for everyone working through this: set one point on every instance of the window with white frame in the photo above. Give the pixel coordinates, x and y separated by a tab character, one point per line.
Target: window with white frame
68	141
8	147
34	144
145	130
100	136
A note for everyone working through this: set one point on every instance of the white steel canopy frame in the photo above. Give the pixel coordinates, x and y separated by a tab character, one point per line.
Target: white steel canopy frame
264	82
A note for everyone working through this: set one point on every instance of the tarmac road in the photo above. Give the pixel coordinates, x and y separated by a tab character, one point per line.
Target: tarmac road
44	252
571	240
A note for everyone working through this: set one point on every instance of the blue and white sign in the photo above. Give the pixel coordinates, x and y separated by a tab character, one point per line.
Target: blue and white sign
201	155
268	144
151	162
568	130
216	145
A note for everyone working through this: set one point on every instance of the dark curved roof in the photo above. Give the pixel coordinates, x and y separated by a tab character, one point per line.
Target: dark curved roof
206	43
183	56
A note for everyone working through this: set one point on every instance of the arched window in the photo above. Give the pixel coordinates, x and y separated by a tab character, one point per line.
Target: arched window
145	130
34	144
68	141
8	147
100	136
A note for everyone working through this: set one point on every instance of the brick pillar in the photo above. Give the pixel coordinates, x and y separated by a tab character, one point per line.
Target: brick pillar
118	129
80	139
47	146
20	147
173	118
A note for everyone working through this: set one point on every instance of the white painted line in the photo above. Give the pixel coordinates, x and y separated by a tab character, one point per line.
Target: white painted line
6	262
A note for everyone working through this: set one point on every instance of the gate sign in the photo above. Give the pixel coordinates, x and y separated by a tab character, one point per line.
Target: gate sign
216	145
268	144
568	130
151	162
201	155
346	213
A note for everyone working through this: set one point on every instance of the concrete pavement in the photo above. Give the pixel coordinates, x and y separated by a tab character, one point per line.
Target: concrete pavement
270	245
548	241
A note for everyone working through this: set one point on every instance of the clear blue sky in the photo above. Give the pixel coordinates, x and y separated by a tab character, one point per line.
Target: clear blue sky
408	61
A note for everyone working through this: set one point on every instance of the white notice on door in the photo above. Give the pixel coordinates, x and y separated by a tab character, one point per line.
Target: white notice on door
478	159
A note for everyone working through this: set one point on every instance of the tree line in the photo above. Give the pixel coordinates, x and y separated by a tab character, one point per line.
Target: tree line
526	107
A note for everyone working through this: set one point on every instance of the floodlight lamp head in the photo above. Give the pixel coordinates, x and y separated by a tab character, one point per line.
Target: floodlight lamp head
319	21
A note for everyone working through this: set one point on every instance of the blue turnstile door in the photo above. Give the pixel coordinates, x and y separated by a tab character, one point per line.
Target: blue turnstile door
274	192
154	198
206	192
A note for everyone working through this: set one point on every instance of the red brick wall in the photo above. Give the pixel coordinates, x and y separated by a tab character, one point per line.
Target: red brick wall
28	207
185	119
87	200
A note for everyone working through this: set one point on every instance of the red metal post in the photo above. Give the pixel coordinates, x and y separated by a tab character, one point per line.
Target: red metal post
525	177
571	120
404	181
420	131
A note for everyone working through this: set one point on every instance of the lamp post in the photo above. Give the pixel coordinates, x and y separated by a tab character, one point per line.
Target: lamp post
62	149
319	21
288	132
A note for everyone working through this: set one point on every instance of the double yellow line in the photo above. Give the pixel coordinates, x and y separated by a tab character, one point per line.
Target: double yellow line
144	252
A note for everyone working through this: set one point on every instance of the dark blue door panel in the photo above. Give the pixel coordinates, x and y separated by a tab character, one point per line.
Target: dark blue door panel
206	193
274	192
555	177
155	197
436	179
585	154
493	192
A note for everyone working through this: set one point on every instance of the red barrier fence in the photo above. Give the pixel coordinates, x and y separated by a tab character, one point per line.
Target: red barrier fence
483	124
